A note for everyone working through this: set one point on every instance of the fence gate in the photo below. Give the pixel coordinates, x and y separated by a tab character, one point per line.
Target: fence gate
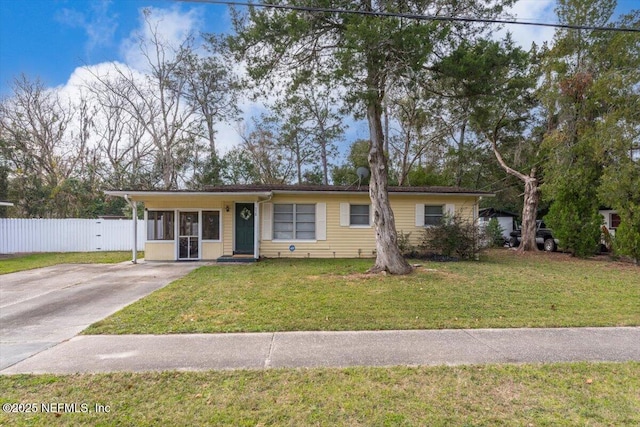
68	235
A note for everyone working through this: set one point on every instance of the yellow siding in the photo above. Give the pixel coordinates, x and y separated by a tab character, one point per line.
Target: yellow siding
211	250
352	242
183	203
341	242
160	251
201	202
404	210
227	228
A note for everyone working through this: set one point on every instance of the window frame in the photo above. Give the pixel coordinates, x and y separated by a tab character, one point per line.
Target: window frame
351	214
614	220
203	213
152	215
294	222
430	215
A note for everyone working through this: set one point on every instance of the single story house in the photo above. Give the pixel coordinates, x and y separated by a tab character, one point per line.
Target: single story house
504	218
246	222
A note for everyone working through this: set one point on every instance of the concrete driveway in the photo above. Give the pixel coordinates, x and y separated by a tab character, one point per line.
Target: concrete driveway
44	307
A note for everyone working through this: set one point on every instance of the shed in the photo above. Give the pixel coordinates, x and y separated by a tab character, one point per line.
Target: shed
505	219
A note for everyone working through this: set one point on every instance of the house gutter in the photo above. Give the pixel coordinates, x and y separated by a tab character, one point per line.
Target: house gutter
391	193
270	194
267	199
134	209
189	193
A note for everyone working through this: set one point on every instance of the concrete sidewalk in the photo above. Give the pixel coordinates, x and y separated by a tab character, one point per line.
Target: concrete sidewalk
196	352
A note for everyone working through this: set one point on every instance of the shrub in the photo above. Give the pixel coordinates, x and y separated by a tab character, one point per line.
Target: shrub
404	244
494	233
577	225
627	241
453	237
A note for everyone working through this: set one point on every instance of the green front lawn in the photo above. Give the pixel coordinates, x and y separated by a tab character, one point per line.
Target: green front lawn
504	290
575	394
12	264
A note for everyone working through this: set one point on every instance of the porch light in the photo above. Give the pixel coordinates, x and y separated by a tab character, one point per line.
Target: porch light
226	208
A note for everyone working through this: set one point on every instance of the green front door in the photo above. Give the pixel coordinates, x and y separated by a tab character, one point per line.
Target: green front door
244	228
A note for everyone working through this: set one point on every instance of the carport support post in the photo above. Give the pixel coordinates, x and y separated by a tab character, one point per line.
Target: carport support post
134	250
134	215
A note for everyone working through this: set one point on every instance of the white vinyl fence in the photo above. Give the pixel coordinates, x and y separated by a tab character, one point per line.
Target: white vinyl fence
68	235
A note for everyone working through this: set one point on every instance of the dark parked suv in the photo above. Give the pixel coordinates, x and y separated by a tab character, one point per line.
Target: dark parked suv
544	238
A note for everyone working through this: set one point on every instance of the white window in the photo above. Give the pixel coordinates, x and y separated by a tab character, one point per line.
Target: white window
433	214
210	225
429	215
294	221
160	225
614	221
359	215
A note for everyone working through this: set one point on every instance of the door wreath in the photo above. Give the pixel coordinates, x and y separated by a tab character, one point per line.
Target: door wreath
245	214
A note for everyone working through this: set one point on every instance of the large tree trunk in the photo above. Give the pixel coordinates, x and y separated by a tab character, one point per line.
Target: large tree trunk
388	256
461	153
325	162
298	160
323	154
529	212
404	162
531	200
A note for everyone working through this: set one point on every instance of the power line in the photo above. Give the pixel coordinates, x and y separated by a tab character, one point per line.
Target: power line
415	16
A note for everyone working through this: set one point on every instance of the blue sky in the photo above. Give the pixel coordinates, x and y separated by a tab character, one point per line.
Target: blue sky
49	39
53	39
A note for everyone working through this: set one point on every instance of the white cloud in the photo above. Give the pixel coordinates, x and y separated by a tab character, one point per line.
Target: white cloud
540	11
173	26
170	26
84	76
75	90
98	22
227	137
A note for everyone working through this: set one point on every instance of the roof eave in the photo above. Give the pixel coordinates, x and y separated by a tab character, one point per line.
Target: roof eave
444	194
121	193
407	193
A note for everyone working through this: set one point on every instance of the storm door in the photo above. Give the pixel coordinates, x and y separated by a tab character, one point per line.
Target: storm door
188	236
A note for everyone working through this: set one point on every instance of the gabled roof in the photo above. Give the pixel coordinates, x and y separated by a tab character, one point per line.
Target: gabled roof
270	189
